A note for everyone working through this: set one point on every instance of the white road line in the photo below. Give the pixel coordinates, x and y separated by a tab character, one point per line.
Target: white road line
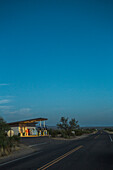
19	158
110	138
38	144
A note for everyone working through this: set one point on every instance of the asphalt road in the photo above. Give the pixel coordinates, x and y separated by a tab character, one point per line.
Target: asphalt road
92	153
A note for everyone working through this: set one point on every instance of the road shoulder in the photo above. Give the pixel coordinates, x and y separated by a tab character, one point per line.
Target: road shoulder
76	137
21	151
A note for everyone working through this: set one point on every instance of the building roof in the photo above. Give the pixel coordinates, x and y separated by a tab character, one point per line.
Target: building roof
28	121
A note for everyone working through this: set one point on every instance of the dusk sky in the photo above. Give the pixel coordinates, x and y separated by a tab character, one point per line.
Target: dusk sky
56	59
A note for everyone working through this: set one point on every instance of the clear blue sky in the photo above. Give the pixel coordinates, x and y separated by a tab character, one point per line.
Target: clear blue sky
56	59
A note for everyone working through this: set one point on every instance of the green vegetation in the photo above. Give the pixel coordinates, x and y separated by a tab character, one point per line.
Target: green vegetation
67	126
54	133
67	129
109	129
7	144
82	131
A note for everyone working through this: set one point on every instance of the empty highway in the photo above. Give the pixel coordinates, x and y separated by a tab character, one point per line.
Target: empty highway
92	153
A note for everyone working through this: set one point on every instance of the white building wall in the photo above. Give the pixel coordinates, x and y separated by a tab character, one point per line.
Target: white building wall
16	129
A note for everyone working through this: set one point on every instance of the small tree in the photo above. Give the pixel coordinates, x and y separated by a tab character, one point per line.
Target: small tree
3	127
67	126
6	143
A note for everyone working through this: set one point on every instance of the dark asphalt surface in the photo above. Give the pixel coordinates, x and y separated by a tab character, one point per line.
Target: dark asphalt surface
96	153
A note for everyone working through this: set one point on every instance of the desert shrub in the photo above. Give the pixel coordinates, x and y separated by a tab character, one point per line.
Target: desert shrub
67	126
14	140
6	143
54	132
78	132
88	130
85	131
64	134
109	129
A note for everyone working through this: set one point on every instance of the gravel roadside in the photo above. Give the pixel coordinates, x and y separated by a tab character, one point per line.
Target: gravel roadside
20	151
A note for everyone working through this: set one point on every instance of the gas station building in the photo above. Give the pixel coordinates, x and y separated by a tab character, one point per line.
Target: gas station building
29	128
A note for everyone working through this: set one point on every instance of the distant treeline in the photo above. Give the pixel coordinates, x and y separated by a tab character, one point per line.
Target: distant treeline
109	129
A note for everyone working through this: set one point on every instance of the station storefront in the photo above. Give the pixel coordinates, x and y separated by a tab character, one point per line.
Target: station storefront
30	128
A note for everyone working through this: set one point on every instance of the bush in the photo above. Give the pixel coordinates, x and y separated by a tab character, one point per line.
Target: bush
67	126
54	133
16	138
64	134
7	144
109	129
78	132
89	130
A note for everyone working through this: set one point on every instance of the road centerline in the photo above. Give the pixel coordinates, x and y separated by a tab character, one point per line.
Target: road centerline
59	158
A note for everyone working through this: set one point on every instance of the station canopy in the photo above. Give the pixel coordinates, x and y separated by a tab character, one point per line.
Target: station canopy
28	121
